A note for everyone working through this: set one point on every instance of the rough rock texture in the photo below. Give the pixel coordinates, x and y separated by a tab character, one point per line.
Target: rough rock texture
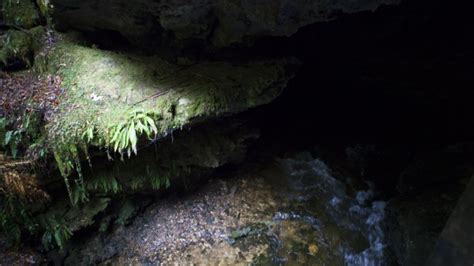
176	231
455	243
415	222
184	159
24	256
219	23
105	90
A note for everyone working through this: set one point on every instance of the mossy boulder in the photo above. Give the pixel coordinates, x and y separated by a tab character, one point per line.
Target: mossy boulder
74	217
104	89
118	103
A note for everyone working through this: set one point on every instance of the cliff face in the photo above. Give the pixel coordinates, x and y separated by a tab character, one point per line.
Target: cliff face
211	24
118	100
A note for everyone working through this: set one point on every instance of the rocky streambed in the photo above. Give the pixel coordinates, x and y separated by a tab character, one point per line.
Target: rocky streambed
290	211
299	208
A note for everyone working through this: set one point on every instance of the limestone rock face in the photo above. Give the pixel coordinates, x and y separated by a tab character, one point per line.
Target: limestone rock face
415	222
103	88
215	23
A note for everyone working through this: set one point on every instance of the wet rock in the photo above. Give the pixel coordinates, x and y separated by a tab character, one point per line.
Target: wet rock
210	23
78	217
415	222
23	256
249	230
455	243
213	226
182	161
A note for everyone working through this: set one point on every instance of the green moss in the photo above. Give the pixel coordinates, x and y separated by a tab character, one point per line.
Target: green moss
20	45
126	212
44	8
21	13
109	96
105	86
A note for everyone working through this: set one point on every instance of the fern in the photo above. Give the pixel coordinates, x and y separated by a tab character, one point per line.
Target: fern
15	219
67	159
104	184
157	182
9	228
10	139
56	233
136	183
124	136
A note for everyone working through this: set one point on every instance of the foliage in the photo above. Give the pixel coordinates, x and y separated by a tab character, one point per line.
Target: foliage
11	139
157	182
20	13
104	184
44	8
115	101
9	228
16	44
124	136
19	218
56	233
26	102
15	218
20	45
136	184
67	159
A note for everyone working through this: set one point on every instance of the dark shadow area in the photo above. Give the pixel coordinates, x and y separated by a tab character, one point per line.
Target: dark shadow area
399	75
398	79
108	40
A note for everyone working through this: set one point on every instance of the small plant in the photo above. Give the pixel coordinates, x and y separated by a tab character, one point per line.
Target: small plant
124	136
19	132
56	233
15	218
136	184
157	182
104	184
9	228
16	44
9	139
67	159
121	137
79	194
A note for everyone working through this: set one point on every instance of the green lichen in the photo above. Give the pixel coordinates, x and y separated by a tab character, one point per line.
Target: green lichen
20	13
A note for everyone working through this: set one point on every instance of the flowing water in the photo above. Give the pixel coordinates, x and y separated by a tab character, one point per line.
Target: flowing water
318	222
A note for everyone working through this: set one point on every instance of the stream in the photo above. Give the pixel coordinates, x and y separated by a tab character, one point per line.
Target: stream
290	212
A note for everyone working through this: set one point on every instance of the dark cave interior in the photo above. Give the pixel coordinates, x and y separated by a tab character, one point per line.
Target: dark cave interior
383	96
